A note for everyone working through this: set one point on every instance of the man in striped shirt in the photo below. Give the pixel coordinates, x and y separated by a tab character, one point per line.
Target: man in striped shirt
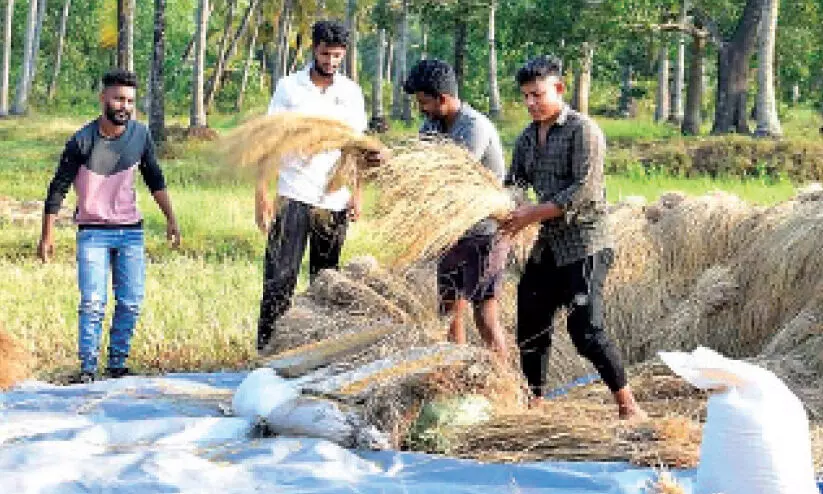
101	161
560	156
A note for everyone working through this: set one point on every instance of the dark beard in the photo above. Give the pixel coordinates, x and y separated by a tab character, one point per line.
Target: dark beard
320	71
117	118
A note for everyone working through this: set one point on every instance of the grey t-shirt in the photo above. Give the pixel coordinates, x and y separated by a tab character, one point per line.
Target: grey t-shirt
477	134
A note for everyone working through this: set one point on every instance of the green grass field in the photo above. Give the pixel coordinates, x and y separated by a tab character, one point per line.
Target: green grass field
201	301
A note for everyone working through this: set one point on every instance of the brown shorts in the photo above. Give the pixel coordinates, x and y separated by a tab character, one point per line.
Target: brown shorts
472	269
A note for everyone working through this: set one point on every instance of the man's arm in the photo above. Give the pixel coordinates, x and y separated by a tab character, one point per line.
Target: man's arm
58	188
153	177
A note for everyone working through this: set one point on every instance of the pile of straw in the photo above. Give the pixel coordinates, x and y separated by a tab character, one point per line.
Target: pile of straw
264	141
366	270
359	296
332	287
431	192
393	404
583	425
15	362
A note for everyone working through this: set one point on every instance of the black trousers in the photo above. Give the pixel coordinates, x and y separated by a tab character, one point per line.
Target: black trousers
296	225
546	287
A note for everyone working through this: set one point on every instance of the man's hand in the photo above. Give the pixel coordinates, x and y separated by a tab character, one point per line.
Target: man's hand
45	248
374	159
355	208
527	214
517	220
263	211
173	234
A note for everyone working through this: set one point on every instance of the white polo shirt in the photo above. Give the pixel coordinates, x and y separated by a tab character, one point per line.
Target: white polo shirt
306	181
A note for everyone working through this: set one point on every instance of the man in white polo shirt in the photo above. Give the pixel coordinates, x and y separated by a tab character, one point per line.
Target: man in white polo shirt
306	214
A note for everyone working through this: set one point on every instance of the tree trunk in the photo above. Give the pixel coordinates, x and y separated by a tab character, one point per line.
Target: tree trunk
661	112
404	54
424	43
285	53
298	55
226	55
583	79
58	57
676	110
157	113
733	72
280	65
211	85
694	96
399	71
197	118
389	59
4	77
768	123
125	34
795	94
351	52
247	65
460	38
494	90
38	29
320	10
626	107
21	98
377	87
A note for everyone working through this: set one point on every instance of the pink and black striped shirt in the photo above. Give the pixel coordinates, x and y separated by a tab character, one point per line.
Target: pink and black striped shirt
102	171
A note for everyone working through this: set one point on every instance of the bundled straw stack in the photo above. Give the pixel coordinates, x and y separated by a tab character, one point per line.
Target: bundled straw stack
431	192
264	141
15	363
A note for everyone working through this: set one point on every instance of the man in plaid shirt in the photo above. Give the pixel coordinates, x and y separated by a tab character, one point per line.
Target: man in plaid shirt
560	155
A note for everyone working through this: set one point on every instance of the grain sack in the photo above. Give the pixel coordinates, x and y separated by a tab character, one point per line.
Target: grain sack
756	438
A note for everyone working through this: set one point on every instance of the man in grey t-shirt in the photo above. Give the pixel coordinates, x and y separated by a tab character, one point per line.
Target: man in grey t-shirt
472	268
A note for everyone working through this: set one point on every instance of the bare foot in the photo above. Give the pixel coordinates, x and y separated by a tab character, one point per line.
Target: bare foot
536	402
633	414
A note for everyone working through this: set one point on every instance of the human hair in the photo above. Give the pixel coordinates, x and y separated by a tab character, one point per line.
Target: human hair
330	32
432	77
119	77
539	68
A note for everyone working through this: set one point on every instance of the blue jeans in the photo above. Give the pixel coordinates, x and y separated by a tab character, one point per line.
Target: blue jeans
122	252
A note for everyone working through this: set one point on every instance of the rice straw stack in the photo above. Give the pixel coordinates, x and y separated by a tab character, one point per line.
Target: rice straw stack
431	193
15	362
264	141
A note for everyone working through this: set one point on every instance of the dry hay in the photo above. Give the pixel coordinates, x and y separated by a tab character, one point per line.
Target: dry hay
665	484
431	193
264	141
711	271
334	288
795	354
583	425
299	361
15	362
341	302
392	404
366	270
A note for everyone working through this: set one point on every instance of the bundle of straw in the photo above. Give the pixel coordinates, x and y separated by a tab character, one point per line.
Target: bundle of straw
264	141
431	193
15	362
